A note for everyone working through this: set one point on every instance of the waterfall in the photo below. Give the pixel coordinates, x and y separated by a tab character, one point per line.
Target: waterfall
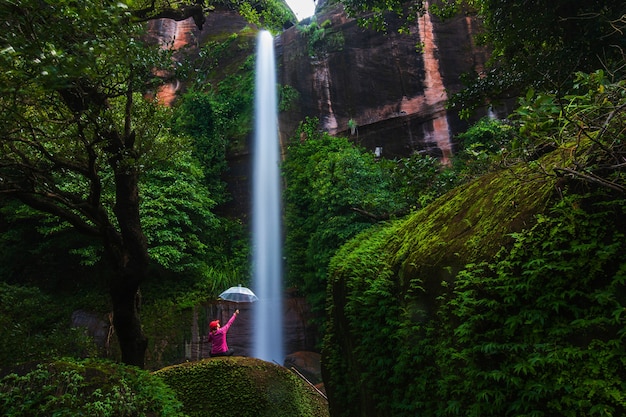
266	210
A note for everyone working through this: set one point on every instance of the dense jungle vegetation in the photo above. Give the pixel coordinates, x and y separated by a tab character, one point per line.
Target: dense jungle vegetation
103	192
506	296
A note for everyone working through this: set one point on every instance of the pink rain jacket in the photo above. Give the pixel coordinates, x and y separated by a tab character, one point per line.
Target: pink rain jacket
218	338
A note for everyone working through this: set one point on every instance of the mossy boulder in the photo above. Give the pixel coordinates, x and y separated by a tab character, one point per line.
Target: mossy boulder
241	386
386	283
504	297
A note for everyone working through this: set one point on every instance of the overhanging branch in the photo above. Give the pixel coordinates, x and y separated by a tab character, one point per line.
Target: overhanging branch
151	13
590	178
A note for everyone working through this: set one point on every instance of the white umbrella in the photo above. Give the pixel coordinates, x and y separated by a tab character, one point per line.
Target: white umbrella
239	294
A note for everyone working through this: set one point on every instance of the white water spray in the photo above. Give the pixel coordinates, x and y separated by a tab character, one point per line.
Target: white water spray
266	210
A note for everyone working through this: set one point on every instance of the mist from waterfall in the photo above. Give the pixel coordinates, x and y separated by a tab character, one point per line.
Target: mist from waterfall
266	210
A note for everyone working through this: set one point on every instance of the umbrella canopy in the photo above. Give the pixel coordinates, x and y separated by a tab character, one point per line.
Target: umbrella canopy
239	294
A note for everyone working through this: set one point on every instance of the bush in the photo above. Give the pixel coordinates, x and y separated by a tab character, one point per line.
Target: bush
92	388
33	326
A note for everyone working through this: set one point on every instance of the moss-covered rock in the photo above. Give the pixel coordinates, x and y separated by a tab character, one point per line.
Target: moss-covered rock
504	297
241	386
387	281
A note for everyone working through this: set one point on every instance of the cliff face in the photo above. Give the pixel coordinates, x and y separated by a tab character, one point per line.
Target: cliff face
392	87
385	91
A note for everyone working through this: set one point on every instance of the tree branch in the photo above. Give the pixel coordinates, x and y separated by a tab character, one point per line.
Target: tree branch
369	215
47	206
590	178
150	13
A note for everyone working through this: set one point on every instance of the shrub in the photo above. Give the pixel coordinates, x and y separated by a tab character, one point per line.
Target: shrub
94	388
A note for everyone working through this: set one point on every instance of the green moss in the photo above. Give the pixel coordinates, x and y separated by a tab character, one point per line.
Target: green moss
472	222
385	284
239	386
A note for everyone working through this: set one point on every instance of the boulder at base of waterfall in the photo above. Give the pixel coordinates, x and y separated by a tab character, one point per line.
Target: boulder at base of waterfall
239	387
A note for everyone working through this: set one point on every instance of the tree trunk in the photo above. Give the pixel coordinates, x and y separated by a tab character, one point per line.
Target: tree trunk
129	252
126	298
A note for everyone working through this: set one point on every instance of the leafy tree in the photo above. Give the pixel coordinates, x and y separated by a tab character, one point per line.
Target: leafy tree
542	44
376	12
195	117
77	132
419	179
274	15
333	191
484	146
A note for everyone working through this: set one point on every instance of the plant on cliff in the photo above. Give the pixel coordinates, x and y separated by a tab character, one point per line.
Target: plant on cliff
333	191
588	126
320	39
483	147
273	15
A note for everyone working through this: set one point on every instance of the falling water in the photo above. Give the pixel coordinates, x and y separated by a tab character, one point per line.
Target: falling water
266	210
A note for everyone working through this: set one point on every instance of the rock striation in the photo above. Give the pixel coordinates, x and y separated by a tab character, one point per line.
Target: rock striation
387	91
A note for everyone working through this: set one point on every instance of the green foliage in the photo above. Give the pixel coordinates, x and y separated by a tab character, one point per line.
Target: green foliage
541	45
410	259
334	191
78	388
330	184
241	387
353	126
376	13
587	127
213	54
223	118
34	327
273	15
484	146
219	106
177	217
287	98
320	38
194	117
537	330
370	307
419	179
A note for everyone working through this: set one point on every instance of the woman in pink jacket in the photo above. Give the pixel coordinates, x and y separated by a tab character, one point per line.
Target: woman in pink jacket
217	337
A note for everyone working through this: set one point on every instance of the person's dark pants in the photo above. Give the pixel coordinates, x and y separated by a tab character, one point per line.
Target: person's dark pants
229	352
